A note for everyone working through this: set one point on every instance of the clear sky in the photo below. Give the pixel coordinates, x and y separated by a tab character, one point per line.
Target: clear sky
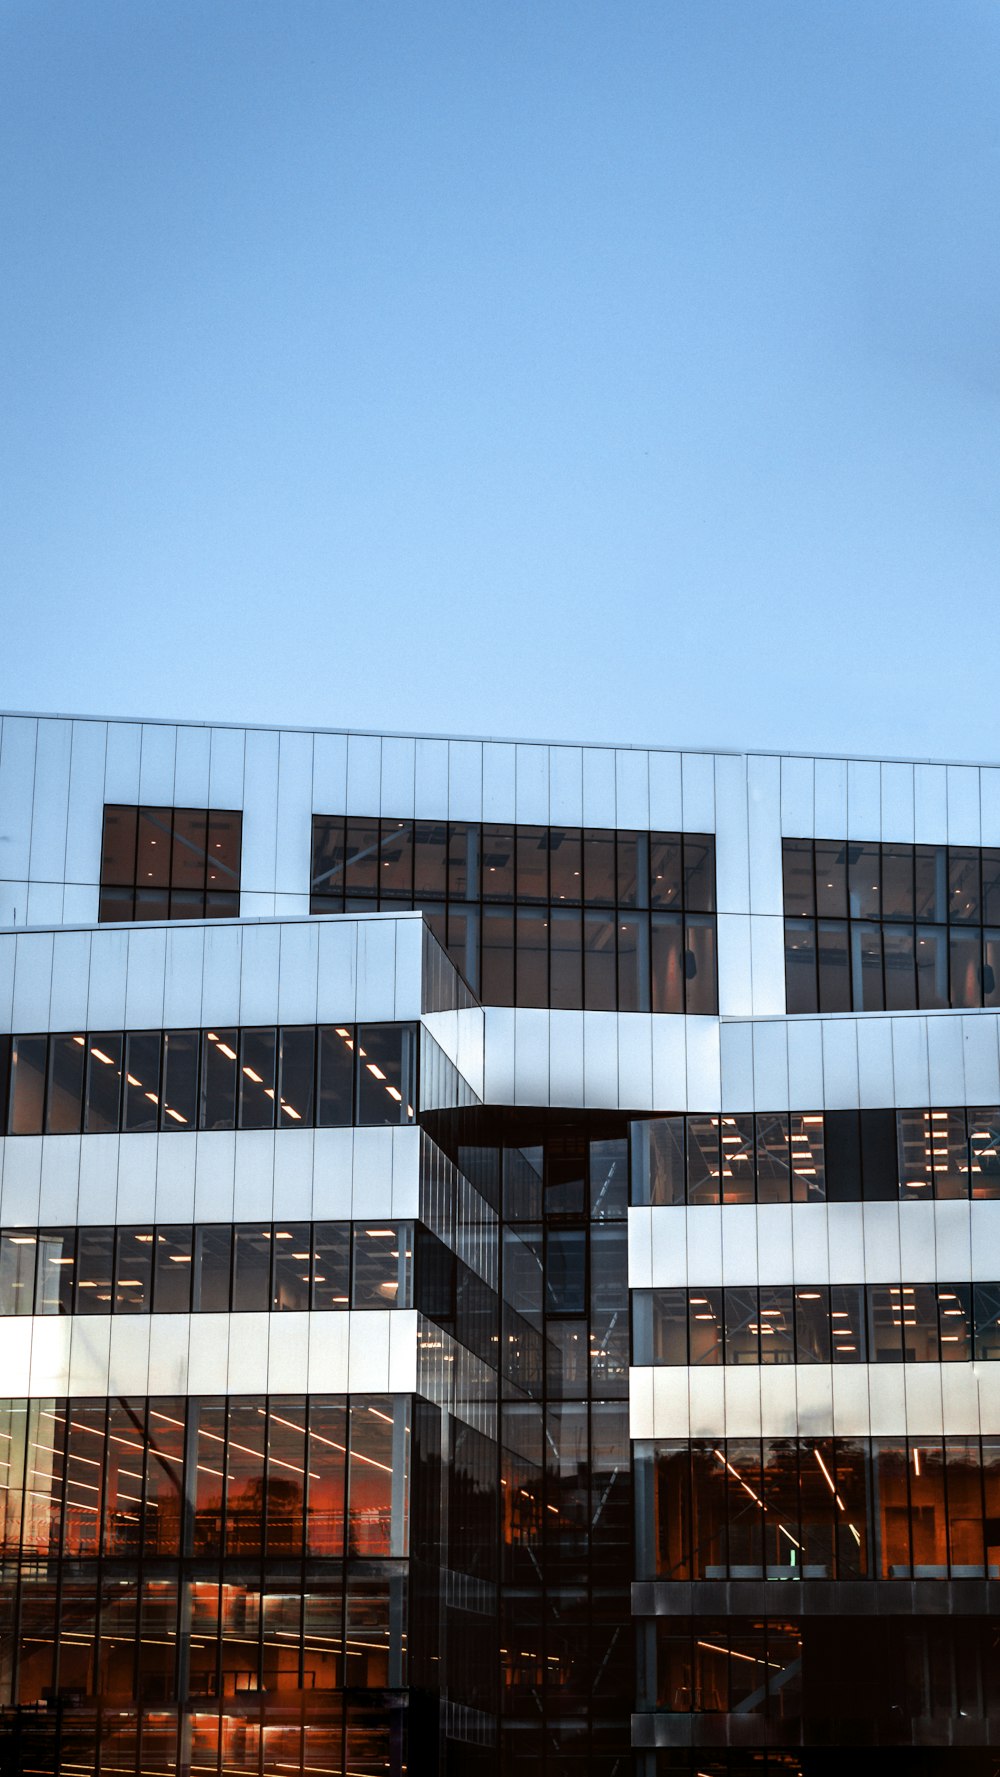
538	367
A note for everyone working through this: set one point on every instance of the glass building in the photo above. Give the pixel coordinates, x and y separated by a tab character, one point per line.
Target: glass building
499	1258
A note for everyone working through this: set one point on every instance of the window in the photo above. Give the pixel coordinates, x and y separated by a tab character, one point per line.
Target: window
170	863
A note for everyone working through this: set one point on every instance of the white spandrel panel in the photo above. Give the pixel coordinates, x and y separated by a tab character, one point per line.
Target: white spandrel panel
450	780
742	1396
880	1223
50	806
770	1065
253	1177
376	969
984	1221
735	965
599	803
566	1058
775	1251
499	1055
227	768
49	1340
430	780
8	953
293	865
798	802
107	979
811	1242
864	799
260	813
981	1060
666	814
147	953
84	820
128	1355
566	786
136	1196
886	1400
17	770
22	1181
157	757
80	904
364	774
704	1073
736	1059
930	805
531	1056
698	792
779	1416
670	1064
764	816
845	1232
732	842
851	1417
911	1081
337	978
192	761
531	786
964	826
840	1064
408	966
739	1244
59	1189
333	1174
897	804
499	780
641	1275
875	1062
397	778
176	1164
945	1058
298	970
989	805
221	974
635	1061
122	762
182	981
98	1189
600	1060
917	1255
922	1388
68	999
830	792
288	1352
632	788
329	785
32	981
215	1170
955	1256
45	903
767	964
259	974
371	1192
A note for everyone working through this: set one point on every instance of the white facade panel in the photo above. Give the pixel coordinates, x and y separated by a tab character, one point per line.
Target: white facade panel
499	781
122	762
50	803
566	786
450	780
666	814
192	767
930	805
397	786
732	839
531	793
632	789
897	804
798	798
599	804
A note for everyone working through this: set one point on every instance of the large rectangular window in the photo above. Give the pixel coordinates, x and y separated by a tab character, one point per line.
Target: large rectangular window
540	916
170	863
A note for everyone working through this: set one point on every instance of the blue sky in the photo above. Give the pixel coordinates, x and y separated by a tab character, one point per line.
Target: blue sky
595	371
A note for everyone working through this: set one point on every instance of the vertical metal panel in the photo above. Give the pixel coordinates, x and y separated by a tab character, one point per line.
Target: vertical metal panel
50	804
599	804
136	1199
376	968
954	1253
45	903
80	904
845	1241
930	805
531	769
121	763
98	1192
666	814
89	1355
176	1163
22	1181
811	1243
248	1354
215	1170
329	786
499	1081
813	1399
566	1058
220	984
984	1242
960	1410
60	1179
260	812
450	780
864	799
880	1224
208	1359
767	964
259	974
840	1064
981	1064
397	778
8	952
600	1060
13	903
430	780
15	1357
897	804
667	1235
253	1174
128	1357
227	768
499	798
333	1174
403	1351
32	981
566	786
876	1084
770	1066
764	814
635	1061
739	1244
294	815
736	1061
742	1401
707	1403
778	1402
157	758
632	788
50	1349
670	1064
886	1399
147	952
337	978
408	967
70	981
671	1403
698	792
830	791
922	1390
735	966
851	1417
641	1275
775	1253
182	977
916	1243
168	1354
368	1354
531	1056
989	805
704	1074
732	842
84	819
298	967
364	773
911	1080
798	798
704	1244
329	1338
192	760
17	773
406	1174
805	1064
964	826
945	1059
287	1352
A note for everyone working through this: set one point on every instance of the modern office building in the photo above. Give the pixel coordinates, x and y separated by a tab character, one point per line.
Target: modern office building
499	1257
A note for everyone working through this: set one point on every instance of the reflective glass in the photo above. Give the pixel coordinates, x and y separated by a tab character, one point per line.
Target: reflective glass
801	994
257	1078
984	1141
738	1160
464	878
930	864
155	840
847	1323
699	872
897	882
566	865
251	1267
965	959
633	962
866	967
834	966
703	1160
190	836
17	1271
64	1099
386	1074
95	1257
831	879
667	960
27	1085
331	1284
430	861
180	1079
965	902
799	889
900	968
812	1325
774	1181
292	1259
380	1266
498	957
633	869
297	1069
362	858
142	1080
599	867
665	870
599	961
134	1271
212	1268
566	958
498	863
172	1270
55	1276
102	1110
532	976
328	857
220	1074
118	846
532	851
864	881
395	876
336	1076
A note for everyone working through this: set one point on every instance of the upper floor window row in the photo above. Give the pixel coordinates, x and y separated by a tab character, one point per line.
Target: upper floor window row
170	863
569	917
871	928
296	1076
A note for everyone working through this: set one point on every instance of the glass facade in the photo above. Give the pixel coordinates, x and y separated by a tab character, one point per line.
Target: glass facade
871	928
170	863
568	917
298	1076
